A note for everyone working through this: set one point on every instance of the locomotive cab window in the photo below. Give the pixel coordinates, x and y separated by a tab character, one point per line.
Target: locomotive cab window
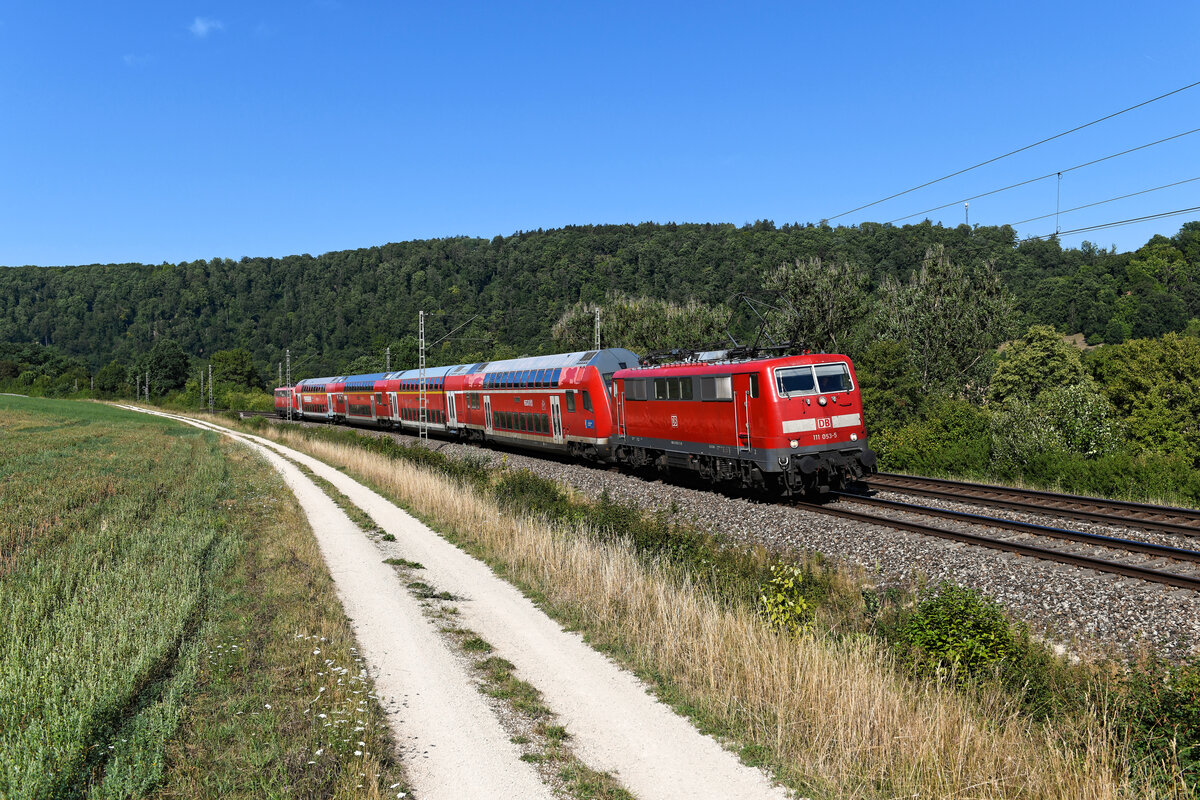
832	378
795	380
754	384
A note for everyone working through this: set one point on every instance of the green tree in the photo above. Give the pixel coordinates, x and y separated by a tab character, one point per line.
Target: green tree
951	316
167	365
822	302
642	324
1155	383
111	379
1038	361
891	390
235	367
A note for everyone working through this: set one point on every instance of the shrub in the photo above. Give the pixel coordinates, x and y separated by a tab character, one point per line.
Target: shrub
954	437
524	492
1163	715
782	600
959	629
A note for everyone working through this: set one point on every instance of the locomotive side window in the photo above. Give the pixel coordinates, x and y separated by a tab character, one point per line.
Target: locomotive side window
833	378
660	389
685	386
754	384
718	387
635	390
795	380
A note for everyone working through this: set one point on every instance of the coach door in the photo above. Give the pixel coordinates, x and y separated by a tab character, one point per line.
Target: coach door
556	420
395	404
450	413
487	414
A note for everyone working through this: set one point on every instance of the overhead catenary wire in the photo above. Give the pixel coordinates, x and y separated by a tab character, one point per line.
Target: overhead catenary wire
1109	200
1116	224
1014	152
1058	172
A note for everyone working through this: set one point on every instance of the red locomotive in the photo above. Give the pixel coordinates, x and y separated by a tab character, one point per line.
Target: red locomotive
791	424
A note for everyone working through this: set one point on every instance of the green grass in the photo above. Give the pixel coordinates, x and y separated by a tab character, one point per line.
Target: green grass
167	605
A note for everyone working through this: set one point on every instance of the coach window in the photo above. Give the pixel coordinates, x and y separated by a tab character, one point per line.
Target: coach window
554	376
378	398
660	388
587	401
754	384
570	401
685	386
833	378
673	388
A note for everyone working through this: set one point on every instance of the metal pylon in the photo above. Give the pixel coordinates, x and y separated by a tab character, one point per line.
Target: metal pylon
424	400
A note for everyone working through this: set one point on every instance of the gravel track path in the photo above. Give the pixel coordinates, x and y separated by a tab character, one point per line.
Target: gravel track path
1080	610
615	725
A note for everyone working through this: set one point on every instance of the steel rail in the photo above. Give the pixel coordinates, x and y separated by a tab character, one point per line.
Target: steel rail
1006	497
1046	554
1114	542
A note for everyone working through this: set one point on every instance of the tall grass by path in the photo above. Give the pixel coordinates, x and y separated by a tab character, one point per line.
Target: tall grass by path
155	638
831	714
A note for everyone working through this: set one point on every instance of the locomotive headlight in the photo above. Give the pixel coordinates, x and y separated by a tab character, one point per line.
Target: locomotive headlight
821	400
854	437
794	443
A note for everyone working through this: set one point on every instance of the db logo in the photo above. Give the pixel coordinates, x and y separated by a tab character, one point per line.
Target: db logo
674	421
824	422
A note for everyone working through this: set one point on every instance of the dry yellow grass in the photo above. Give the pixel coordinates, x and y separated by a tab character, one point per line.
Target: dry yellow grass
833	713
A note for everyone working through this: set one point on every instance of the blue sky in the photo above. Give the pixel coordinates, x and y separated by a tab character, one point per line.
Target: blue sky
169	131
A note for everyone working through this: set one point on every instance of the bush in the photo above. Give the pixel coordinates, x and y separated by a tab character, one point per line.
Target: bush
953	437
782	600
958	629
524	492
1163	715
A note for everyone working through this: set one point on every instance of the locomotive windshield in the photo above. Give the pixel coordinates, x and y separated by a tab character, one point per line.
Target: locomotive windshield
824	378
795	380
833	378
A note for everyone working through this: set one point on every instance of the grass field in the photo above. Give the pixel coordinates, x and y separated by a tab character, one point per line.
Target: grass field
170	627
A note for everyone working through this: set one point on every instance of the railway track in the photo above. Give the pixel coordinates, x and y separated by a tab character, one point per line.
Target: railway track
1155	517
1180	521
1186	563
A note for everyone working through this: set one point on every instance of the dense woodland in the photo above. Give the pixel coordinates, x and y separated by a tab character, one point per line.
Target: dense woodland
957	332
336	307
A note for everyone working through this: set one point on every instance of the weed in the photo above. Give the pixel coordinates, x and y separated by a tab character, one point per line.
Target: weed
476	645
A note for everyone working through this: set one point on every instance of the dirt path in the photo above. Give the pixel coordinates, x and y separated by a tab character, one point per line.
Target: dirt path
453	745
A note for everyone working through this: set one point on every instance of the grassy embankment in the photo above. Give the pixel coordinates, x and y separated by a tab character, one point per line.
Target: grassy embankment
170	625
829	711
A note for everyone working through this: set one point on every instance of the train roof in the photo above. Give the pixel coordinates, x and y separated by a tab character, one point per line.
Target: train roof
411	374
320	381
606	361
610	360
